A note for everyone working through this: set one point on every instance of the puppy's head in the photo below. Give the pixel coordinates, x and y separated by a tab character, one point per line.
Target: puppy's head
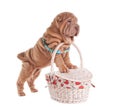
66	23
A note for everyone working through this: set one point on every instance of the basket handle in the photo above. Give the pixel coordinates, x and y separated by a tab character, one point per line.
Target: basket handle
55	51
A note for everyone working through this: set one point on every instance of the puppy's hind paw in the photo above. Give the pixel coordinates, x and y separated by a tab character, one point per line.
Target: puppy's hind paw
33	90
21	93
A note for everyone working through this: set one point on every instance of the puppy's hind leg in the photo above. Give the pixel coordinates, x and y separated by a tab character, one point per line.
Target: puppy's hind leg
25	73
32	79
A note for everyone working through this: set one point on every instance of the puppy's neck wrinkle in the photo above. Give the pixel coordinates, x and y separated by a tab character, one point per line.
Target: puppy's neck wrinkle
54	34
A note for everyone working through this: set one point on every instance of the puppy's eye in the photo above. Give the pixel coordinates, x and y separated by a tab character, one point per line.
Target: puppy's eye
69	21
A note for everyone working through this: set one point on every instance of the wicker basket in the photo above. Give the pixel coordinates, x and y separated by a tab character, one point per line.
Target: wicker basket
72	87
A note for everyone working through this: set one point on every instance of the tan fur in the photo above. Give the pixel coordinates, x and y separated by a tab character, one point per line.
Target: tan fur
63	29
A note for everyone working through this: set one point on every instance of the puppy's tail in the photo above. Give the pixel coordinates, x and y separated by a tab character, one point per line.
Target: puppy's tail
22	56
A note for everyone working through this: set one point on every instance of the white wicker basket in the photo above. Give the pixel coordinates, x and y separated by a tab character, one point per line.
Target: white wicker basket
72	87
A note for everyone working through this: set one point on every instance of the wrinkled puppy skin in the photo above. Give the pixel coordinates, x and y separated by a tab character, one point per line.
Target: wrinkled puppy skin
63	29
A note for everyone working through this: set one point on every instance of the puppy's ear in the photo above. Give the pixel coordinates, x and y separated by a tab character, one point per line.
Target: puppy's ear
58	20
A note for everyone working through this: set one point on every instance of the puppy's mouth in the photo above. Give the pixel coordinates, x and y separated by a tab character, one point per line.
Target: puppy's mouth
68	39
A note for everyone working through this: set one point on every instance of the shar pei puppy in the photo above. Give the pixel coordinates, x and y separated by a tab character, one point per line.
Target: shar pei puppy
63	29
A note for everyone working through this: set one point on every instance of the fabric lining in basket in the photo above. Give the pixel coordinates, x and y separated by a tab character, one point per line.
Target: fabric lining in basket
76	75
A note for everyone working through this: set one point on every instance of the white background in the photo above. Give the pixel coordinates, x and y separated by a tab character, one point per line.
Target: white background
23	22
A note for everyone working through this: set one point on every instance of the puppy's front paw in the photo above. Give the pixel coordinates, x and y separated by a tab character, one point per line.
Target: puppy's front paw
71	66
63	69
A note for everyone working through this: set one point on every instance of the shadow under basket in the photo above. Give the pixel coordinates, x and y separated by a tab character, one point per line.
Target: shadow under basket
71	87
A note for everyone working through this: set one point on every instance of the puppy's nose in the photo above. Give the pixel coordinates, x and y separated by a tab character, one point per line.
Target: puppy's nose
77	27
